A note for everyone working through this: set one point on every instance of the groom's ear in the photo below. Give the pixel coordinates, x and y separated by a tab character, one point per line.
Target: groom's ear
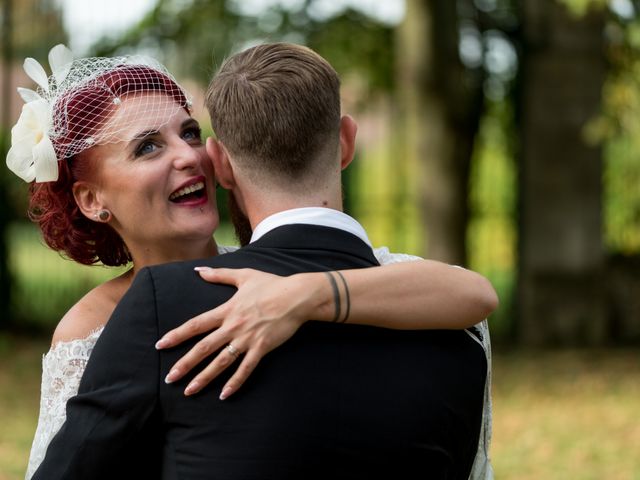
222	167
348	130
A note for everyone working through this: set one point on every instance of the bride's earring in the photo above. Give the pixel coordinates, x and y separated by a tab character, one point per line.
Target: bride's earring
103	215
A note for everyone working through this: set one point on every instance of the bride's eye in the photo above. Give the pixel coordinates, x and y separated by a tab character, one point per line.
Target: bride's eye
145	148
192	134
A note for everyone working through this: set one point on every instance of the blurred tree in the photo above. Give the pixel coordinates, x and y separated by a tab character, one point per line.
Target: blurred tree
617	129
440	98
563	67
37	26
29	28
454	59
186	36
193	38
446	65
5	211
440	105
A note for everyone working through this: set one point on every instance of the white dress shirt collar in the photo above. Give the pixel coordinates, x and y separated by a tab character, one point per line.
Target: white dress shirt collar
326	217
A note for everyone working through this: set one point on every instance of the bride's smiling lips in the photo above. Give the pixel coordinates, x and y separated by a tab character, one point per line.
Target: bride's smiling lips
193	192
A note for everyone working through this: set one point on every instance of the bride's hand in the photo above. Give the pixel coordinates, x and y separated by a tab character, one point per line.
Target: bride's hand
266	311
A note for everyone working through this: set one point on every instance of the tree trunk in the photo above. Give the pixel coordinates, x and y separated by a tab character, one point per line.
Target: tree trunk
561	291
6	284
440	114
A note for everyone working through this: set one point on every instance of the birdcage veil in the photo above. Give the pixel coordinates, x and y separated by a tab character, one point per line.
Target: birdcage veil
70	109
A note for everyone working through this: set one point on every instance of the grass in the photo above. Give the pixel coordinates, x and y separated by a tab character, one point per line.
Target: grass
19	399
557	415
567	415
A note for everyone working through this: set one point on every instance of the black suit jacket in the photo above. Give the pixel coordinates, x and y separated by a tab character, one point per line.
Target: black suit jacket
335	401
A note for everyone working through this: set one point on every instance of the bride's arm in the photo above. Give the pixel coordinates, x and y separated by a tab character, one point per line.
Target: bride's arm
268	309
424	294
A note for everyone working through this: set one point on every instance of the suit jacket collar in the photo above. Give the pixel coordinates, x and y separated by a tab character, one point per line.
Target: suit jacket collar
315	237
327	217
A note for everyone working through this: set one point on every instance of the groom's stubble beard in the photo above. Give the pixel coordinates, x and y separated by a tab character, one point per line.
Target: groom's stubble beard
240	222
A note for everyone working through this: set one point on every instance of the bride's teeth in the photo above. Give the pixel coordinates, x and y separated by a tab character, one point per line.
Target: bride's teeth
187	190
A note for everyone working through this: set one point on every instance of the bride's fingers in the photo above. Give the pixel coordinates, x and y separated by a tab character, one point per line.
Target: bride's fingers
227	276
247	366
204	322
193	357
226	357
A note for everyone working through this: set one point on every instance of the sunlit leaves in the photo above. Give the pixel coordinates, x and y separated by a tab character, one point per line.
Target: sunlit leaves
617	129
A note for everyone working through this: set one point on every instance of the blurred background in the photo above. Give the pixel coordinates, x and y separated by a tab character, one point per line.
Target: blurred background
501	135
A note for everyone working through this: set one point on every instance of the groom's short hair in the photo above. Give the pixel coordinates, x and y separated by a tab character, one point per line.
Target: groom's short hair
276	108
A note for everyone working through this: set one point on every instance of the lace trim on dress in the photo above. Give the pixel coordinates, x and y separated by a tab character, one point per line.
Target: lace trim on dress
62	369
385	257
482	469
226	249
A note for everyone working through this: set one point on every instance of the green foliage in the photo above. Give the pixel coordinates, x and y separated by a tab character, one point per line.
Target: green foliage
19	395
194	37
622	201
36	26
46	285
617	129
491	233
187	36
353	42
581	7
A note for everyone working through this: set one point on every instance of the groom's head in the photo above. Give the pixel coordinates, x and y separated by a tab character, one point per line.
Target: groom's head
275	110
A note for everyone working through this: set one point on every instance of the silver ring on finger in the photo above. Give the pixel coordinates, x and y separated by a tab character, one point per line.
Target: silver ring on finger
233	350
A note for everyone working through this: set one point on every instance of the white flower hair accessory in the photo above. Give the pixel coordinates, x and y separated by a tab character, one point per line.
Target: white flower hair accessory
52	127
32	156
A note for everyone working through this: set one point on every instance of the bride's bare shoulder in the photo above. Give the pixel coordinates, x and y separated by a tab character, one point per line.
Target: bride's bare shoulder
92	311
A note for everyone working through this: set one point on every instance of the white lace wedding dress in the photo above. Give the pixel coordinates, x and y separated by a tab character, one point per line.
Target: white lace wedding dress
64	364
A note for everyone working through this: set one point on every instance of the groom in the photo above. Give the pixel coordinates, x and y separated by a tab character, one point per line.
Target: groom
335	401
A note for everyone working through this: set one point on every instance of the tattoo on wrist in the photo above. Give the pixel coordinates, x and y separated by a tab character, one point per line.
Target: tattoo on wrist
336	296
347	297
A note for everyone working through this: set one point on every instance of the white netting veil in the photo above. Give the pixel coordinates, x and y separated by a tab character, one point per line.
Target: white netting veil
73	108
95	87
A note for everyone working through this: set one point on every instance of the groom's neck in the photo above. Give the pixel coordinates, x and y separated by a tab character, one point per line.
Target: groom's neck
260	206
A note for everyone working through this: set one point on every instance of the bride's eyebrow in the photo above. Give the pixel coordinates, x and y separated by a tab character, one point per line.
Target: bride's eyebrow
144	134
190	122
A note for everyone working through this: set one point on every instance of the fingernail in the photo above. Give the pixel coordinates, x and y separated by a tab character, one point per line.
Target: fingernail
191	388
226	391
202	269
163	342
171	376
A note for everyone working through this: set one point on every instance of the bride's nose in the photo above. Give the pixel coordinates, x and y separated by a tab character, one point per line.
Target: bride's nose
185	156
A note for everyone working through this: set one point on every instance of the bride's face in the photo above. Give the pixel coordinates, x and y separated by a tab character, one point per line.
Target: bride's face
159	186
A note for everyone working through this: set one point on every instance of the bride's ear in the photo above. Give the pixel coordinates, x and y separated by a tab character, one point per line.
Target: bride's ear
86	197
221	165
